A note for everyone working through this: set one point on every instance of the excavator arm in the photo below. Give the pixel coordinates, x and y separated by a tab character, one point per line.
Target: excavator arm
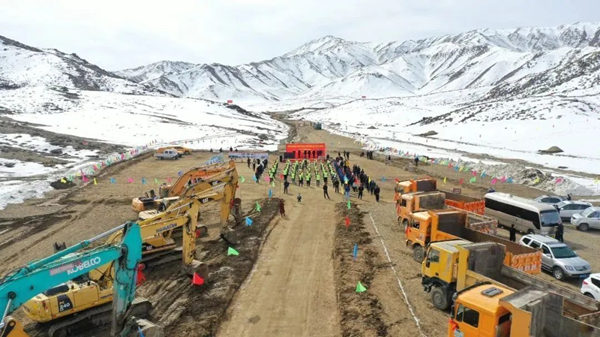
203	172
41	275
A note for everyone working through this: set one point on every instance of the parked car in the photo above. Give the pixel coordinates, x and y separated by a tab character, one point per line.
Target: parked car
549	199
557	257
182	150
167	154
591	286
567	208
589	218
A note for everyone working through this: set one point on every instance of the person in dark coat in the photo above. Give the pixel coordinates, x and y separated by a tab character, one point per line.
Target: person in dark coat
560	229
281	208
248	162
376	192
336	186
325	194
286	185
361	188
416	161
512	233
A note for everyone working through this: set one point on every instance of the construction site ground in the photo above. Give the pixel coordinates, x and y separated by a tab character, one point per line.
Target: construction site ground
295	275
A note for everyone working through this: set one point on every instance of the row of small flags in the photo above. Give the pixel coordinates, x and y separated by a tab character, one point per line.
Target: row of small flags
360	288
197	279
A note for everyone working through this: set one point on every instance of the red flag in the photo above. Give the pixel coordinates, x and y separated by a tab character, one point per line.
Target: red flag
141	278
347	221
197	280
461	181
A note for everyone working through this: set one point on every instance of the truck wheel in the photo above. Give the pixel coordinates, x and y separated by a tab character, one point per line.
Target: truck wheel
418	253
589	295
558	273
583	227
439	298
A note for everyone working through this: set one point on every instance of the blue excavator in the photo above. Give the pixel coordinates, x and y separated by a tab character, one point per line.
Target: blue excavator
53	273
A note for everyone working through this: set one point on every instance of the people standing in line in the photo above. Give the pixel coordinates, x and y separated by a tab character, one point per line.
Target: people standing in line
308	179
301	179
347	191
560	230
325	193
361	188
512	231
376	192
318	179
286	185
254	166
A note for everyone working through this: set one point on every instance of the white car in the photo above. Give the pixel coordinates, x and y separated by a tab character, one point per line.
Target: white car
591	286
549	199
589	218
568	208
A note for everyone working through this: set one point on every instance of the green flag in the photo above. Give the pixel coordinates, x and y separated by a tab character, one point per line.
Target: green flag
472	180
242	179
273	183
156	181
360	288
257	207
349	205
231	251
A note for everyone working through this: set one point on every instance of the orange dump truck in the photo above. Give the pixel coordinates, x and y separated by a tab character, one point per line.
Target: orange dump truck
449	224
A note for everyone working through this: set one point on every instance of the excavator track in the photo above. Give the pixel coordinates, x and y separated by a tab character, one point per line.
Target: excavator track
99	317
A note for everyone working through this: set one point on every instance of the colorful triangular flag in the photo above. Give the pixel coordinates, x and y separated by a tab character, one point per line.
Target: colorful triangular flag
444	180
355	251
197	280
360	287
231	251
95	182
249	221
472	180
143	181
270	193
349	205
347	221
156	181
257	207
242	179
113	181
63	180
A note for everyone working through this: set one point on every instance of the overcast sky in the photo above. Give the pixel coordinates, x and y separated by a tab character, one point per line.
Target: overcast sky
117	34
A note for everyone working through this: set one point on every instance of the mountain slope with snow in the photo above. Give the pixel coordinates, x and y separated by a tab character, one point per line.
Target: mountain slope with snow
332	67
26	66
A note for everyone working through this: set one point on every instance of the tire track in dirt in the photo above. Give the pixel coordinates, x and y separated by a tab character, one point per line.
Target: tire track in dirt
291	292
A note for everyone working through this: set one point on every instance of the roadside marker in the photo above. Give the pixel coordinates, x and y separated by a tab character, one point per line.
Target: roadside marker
360	287
231	251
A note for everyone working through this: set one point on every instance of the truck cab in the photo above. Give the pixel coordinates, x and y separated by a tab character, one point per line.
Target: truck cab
477	313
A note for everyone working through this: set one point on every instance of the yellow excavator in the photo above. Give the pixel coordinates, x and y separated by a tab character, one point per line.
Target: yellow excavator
95	289
197	178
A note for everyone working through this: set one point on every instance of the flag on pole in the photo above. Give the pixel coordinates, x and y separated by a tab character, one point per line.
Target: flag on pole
270	193
349	205
231	251
257	207
355	251
347	221
248	221
444	180
197	280
242	179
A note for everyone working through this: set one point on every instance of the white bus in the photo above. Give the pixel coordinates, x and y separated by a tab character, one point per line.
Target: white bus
527	215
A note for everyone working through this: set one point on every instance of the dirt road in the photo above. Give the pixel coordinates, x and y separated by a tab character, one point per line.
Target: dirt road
291	290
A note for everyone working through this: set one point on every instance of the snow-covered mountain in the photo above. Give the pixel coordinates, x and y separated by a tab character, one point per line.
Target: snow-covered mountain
497	60
25	66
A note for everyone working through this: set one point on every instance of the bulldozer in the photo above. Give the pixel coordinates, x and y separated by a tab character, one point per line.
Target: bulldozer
192	181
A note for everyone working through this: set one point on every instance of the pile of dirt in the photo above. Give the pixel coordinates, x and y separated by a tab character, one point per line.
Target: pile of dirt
428	133
62	184
552	149
184	309
361	314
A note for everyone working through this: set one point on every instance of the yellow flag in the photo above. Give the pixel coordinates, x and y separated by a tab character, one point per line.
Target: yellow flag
444	180
62	180
95	182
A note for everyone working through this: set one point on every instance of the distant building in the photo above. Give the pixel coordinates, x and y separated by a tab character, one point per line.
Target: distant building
300	151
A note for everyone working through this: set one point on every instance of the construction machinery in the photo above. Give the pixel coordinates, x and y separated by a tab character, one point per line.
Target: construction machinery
192	181
448	224
158	247
50	281
409	203
459	266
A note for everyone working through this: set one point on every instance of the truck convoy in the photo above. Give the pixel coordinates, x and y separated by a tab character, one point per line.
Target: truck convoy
422	194
50	281
447	224
491	299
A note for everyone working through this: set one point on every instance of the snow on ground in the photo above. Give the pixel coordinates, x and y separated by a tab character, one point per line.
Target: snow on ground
501	131
134	120
129	120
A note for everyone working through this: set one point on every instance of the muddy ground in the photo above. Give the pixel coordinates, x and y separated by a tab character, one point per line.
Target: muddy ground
303	280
